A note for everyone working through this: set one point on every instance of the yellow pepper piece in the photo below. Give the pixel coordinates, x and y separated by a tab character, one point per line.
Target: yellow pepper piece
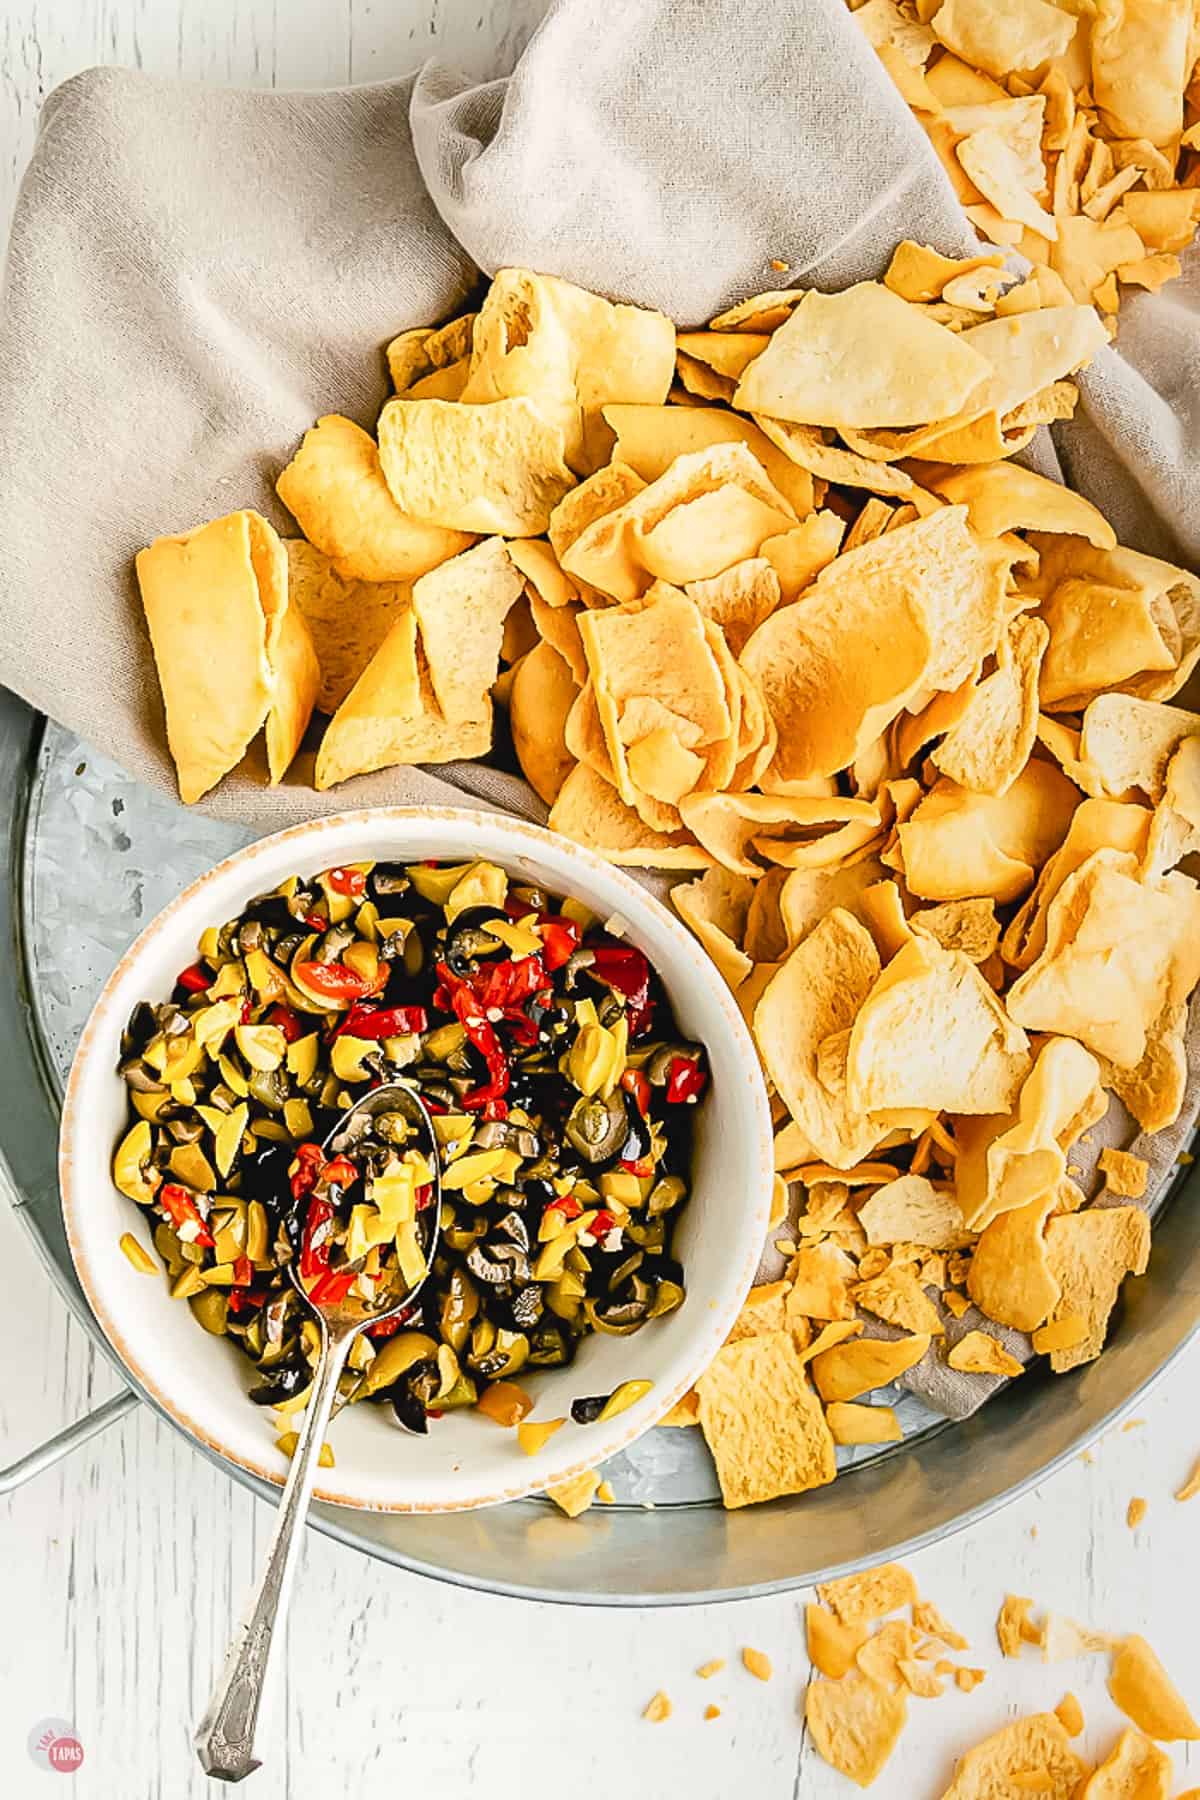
263	1046
136	1254
302	1058
483	884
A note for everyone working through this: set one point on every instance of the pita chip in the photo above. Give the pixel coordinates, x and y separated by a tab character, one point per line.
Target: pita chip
335	490
481	468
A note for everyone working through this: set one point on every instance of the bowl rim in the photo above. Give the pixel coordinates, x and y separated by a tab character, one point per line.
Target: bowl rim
73	1163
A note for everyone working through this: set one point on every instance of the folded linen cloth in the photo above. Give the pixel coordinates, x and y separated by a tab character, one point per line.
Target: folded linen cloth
196	274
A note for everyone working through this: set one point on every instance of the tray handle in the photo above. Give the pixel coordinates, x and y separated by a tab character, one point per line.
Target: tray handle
71	1437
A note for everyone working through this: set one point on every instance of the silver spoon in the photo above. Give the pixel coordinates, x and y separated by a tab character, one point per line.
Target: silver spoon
225	1735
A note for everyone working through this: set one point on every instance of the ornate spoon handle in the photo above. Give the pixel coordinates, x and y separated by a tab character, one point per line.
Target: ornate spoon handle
225	1735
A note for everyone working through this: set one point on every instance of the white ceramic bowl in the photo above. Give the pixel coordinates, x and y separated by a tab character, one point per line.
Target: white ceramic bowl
466	1460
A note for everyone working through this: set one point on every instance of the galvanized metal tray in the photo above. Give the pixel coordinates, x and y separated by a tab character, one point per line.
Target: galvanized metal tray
91	858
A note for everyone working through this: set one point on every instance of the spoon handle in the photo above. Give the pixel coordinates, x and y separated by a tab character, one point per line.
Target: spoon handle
225	1735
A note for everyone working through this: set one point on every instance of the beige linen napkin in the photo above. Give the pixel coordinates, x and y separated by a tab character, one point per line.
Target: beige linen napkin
195	274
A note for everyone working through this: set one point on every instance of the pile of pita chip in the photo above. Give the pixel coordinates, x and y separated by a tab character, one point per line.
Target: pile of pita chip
771	611
1069	133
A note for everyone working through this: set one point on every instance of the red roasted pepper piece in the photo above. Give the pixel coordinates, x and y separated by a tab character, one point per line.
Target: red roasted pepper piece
376	1022
560	940
565	1209
686	1080
627	972
350	882
601	1225
182	1210
466	1006
638	1088
331	1286
334	981
243	1272
285	1020
305	1166
195	978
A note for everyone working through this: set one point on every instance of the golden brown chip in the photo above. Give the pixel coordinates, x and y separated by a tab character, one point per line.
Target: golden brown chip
819	1277
926	1617
335	490
348	620
762	1422
739	599
391	716
1039	1742
684	1412
845	1371
916	608
989	746
958	845
570	352
1118	951
1125	1174
649	438
919	273
1145	1693
812	448
999	39
495	468
899	1296
1130	742
574	1497
460	608
1141	60
832	1646
970	926
764	1309
855	1724
1010	1279
1095	825
540	567
852	1424
1089	1254
910	1210
1063	1334
1134	1769
973	1059
591	812
1006	1162
739	829
659	650
1013	1625
813	369
882	1654
807	895
761	312
543	693
716	908
232	654
977	1353
1116	620
859	1598
414	355
816	993
1027	353
1069	1713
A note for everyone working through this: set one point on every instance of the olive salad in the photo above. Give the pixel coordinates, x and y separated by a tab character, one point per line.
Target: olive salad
543	1046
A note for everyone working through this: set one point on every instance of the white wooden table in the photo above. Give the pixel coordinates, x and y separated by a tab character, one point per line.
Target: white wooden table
120	1571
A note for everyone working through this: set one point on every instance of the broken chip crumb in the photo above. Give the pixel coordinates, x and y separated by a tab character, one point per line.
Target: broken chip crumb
857	1599
1012	1622
712	1712
1127	1174
657	1708
1191	1486
757	1664
968	1679
707	1670
1070	1715
1135	1512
